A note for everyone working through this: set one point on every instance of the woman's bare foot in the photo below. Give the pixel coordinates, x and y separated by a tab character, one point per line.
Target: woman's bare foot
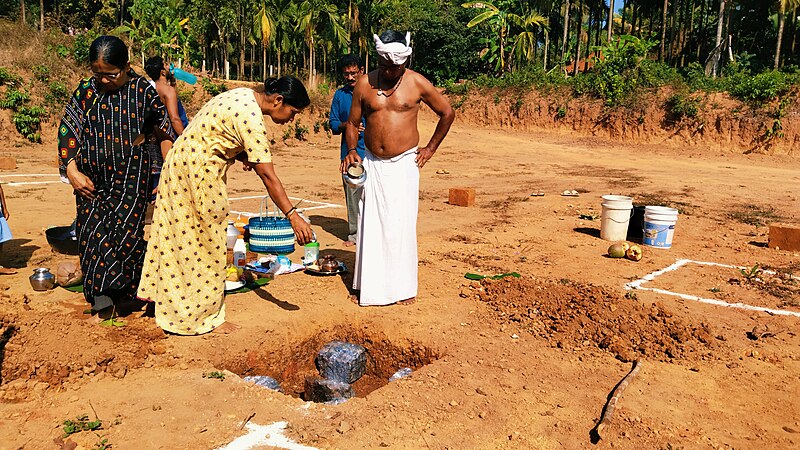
348	243
408	301
353	298
227	328
7	271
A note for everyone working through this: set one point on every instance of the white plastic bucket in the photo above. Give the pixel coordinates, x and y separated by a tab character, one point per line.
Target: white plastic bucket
614	221
617	200
658	227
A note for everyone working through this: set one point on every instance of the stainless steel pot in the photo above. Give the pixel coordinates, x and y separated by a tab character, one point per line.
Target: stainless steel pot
42	279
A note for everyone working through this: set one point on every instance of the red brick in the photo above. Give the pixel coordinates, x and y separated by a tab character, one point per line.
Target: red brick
8	163
784	236
462	196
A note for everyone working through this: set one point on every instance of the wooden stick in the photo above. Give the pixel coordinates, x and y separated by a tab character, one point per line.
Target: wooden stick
615	395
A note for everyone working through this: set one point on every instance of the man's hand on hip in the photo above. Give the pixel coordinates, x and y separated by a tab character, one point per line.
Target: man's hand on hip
423	155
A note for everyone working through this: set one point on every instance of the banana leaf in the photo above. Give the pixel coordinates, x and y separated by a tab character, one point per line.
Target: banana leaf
475	276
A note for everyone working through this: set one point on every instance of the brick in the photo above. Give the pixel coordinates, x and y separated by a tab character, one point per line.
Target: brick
8	163
462	196
784	236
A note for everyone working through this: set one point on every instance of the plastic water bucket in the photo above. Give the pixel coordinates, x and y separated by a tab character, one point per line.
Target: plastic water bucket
617	201
658	228
614	221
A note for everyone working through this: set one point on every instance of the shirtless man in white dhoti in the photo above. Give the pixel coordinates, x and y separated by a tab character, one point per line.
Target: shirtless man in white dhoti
389	98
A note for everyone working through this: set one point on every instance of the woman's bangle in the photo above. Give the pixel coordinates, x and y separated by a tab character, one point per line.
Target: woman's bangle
354	149
289	212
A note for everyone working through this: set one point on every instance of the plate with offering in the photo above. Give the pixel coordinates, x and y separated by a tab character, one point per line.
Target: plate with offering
326	265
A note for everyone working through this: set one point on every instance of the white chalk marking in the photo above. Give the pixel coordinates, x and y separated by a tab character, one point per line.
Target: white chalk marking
24	183
324	204
29	175
261	435
711	301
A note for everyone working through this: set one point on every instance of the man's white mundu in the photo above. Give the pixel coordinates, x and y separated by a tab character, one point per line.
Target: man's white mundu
396	52
386	249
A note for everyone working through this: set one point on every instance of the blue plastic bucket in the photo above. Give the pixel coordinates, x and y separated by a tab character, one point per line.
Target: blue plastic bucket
658	227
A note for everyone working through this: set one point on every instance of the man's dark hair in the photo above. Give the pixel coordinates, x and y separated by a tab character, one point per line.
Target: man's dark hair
349	60
153	66
390	36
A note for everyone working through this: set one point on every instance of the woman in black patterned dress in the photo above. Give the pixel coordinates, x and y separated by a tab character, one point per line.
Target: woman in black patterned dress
108	117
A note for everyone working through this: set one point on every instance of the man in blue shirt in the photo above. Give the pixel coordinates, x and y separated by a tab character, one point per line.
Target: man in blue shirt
351	68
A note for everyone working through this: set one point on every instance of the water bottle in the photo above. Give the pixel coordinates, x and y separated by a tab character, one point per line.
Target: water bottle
311	254
239	252
182	75
232	233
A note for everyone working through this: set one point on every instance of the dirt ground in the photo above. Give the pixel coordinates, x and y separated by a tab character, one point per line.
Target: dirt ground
500	364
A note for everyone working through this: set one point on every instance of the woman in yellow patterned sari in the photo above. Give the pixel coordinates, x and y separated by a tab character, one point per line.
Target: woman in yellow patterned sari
185	262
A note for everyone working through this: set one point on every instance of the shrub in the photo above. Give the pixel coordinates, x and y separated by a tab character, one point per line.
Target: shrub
212	88
452	88
59	49
681	106
41	73
57	93
185	96
694	75
624	69
28	122
300	131
760	88
14	99
80	48
7	77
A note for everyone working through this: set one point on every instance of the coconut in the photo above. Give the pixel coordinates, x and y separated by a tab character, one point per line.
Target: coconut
634	253
616	251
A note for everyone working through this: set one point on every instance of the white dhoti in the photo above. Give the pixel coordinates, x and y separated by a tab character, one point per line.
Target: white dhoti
386	248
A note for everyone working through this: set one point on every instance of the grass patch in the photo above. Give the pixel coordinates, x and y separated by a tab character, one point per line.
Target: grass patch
81	423
754	215
663	199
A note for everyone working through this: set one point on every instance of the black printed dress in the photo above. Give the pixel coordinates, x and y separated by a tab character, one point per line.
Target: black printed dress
97	132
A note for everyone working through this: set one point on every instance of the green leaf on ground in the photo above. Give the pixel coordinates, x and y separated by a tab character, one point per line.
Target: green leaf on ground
475	276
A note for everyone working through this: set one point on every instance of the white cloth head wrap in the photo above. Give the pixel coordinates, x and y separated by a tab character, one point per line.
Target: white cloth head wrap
396	52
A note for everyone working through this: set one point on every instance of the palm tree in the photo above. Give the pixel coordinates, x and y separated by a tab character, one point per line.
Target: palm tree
783	5
500	22
315	16
364	16
524	46
566	30
264	29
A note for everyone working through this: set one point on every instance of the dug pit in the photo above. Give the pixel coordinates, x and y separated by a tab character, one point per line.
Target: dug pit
293	363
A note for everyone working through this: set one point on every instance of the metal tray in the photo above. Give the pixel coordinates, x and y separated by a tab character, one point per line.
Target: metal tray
342	269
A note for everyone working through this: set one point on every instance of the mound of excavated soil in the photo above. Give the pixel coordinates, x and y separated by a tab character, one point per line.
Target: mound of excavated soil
57	347
569	314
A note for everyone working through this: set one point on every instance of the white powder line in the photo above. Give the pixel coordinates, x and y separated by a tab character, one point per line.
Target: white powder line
711	301
327	205
261	435
300	210
29	175
24	183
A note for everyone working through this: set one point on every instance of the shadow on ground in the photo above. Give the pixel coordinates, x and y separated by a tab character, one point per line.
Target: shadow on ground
16	253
